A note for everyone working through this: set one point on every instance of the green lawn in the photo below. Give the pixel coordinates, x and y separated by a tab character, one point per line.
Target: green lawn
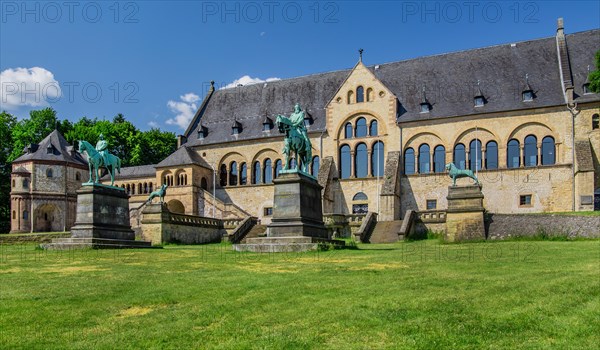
501	295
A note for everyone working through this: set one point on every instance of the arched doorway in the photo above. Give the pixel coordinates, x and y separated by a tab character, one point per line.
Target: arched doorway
176	206
47	219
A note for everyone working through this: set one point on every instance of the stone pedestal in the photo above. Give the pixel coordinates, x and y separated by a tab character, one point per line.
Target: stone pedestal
464	217
297	207
102	221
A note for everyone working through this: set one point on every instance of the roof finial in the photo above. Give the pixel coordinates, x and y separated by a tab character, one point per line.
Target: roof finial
360	52
527	78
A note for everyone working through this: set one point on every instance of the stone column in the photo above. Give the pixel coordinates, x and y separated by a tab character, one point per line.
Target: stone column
369	162
352	164
539	154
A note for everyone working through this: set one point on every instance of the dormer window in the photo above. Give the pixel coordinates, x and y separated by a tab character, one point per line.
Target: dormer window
479	99
267	124
236	128
527	94
308	120
425	105
50	149
202	132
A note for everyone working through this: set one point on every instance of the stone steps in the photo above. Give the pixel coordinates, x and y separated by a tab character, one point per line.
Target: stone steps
283	244
386	232
256	231
279	240
94	243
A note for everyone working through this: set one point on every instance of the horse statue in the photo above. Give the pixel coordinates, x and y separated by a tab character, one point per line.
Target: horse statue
96	161
295	140
455	173
160	193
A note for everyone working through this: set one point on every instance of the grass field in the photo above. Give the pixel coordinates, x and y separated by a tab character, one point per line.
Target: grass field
424	295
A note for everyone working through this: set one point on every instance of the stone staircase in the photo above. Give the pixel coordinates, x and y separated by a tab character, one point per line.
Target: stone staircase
277	244
387	232
256	231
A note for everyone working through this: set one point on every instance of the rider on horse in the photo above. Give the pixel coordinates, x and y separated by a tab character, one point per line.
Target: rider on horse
101	147
297	122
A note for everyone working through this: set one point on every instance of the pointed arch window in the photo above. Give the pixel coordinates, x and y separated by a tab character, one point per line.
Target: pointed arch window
278	166
361	161
530	151
513	154
256	173
373	128
424	157
243	174
360	94
49	173
377	159
439	159
460	157
348	130
548	151
361	127
233	174
223	175
268	172
314	167
409	161
491	155
595	122
345	162
475	155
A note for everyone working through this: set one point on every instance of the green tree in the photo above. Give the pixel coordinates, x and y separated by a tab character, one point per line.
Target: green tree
595	75
32	130
7	123
152	146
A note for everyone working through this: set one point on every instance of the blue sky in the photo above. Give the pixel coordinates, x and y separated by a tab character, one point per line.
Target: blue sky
153	60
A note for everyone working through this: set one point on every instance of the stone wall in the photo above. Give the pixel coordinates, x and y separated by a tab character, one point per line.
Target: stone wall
502	226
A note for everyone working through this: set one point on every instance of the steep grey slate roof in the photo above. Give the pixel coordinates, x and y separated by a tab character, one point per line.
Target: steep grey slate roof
183	156
251	103
450	80
21	170
63	152
135	172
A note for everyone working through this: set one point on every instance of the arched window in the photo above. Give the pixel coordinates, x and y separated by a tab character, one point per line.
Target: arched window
26	183
233	174
548	151
25	215
491	155
278	166
140	190
77	176
150	187
203	184
145	187
360	94
361	127
373	128
530	151
14	215
377	159
223	175
439	159
132	188
369	95
360	203
460	157
348	130
361	160
350	96
595	122
513	159
14	183
49	172
268	172
424	157
256	173
314	167
409	161
243	174
475	155
345	162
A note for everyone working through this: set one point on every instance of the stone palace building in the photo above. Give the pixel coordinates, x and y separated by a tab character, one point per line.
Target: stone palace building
520	115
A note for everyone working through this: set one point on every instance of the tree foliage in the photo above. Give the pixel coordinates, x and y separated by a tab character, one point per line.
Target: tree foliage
595	75
7	123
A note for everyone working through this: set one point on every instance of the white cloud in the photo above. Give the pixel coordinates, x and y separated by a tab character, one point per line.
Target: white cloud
153	125
184	110
247	80
27	87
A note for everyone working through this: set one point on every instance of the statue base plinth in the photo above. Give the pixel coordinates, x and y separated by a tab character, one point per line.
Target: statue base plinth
464	217
297	207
